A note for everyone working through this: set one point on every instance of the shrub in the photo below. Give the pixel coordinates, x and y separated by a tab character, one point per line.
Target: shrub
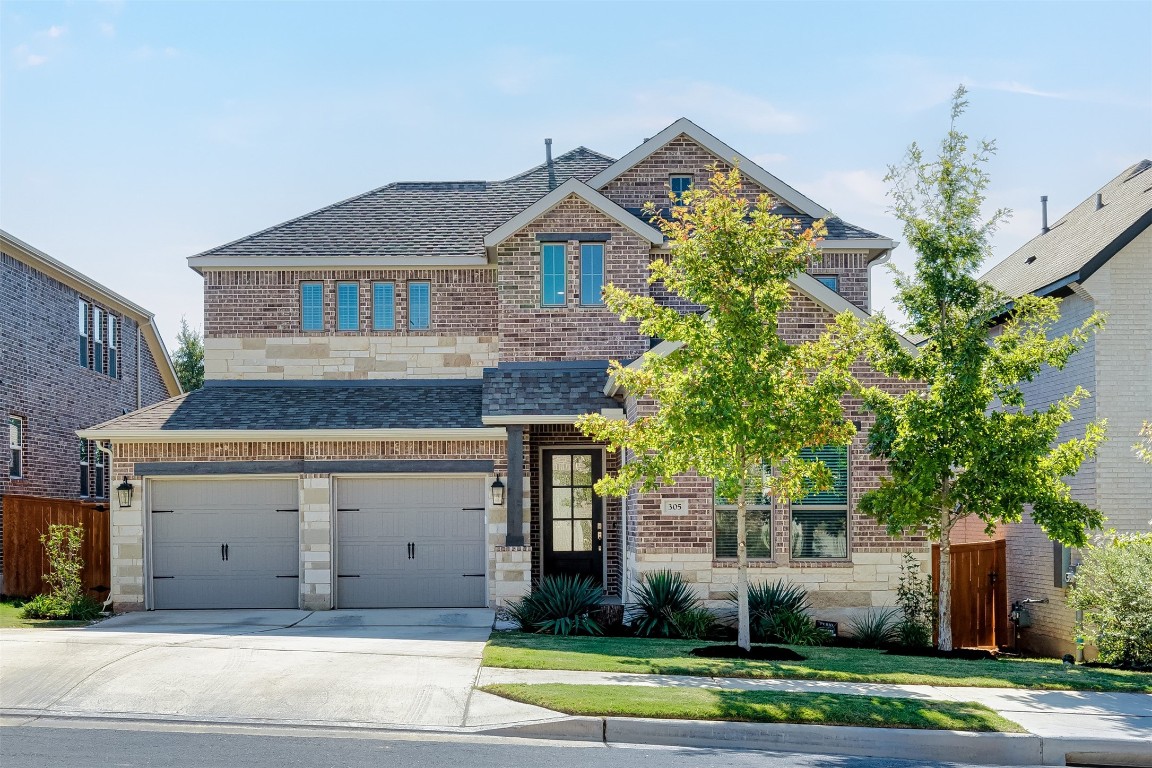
66	598
51	607
694	623
765	600
1113	588
917	604
560	605
793	627
876	628
661	597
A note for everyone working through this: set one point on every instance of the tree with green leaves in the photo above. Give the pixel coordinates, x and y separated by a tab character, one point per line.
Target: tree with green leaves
189	357
735	396
965	442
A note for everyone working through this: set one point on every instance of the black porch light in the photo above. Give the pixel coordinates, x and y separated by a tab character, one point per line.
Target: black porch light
124	492
497	491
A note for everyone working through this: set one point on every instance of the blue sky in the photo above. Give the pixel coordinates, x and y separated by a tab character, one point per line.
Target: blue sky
133	135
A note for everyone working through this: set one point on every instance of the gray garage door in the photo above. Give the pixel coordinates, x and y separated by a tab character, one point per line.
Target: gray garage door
225	543
410	542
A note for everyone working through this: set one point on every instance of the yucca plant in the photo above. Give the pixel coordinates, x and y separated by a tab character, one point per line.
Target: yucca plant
768	598
877	627
560	605
659	598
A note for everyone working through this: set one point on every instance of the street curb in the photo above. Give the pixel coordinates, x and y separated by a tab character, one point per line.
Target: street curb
902	743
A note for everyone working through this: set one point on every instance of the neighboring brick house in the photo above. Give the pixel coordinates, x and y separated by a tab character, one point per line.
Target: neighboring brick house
375	366
72	354
1096	258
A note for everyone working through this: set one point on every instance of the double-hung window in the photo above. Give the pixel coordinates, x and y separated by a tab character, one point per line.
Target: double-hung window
419	306
553	275
679	184
83	333
100	477
16	444
85	489
591	273
113	344
820	520
383	307
98	340
348	306
312	306
758	519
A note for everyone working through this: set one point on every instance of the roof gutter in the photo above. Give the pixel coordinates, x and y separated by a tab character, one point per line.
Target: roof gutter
287	435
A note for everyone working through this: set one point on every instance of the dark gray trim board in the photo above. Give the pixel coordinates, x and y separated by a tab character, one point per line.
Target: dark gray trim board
203	468
564	237
335	383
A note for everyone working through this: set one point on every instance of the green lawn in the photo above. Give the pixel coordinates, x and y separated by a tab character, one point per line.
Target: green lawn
758	706
672	657
10	618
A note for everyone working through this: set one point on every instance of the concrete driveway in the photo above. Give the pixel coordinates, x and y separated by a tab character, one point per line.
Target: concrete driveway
376	667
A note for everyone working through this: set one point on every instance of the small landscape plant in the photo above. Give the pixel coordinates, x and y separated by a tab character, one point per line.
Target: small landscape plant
66	598
560	605
666	606
1113	588
876	628
769	599
917	605
794	627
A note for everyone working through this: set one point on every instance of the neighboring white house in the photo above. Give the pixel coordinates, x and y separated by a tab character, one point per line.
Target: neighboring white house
1097	257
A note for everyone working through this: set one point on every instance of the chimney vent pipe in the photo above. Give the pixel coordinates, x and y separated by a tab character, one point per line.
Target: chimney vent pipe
548	162
1099	200
1043	214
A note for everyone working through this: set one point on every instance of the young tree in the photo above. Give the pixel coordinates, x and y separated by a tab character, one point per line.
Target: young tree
189	357
735	396
966	443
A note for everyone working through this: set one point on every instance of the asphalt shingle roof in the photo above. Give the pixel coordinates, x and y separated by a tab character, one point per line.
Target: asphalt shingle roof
546	389
439	404
1078	236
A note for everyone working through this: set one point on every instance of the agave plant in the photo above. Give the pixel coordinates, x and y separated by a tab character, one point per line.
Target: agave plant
877	627
768	598
660	598
560	605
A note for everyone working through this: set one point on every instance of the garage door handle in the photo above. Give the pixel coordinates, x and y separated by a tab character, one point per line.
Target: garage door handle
347	575
346	509
161	511
411	550
163	577
292	576
473	575
221	552
472	509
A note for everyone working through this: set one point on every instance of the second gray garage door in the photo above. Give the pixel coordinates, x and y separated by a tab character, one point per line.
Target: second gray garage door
225	543
410	542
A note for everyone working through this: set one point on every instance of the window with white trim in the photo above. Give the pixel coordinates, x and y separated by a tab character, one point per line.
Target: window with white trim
419	306
113	346
832	281
85	480
311	306
100	477
553	274
347	306
819	525
591	274
758	522
16	444
680	184
383	307
98	340
83	333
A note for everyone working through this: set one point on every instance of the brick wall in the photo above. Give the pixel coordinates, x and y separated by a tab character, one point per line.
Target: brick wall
530	332
42	382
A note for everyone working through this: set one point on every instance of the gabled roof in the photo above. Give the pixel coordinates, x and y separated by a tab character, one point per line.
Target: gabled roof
1082	240
563	192
555	392
58	270
722	151
424	222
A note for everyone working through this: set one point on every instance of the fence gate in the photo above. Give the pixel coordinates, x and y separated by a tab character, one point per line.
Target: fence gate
27	517
979	593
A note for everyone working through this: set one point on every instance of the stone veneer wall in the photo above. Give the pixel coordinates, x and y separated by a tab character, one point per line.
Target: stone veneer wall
349	357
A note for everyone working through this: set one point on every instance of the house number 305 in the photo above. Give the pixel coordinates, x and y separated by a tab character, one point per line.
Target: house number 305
674	507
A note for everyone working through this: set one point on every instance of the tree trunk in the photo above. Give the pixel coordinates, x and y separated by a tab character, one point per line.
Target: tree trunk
944	613
743	625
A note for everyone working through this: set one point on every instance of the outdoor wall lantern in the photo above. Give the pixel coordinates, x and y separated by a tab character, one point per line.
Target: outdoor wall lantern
124	491
497	491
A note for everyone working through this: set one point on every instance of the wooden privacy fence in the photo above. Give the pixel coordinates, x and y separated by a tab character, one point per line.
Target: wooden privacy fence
25	563
979	593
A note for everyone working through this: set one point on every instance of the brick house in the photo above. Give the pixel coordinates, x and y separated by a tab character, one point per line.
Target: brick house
72	354
1097	257
374	367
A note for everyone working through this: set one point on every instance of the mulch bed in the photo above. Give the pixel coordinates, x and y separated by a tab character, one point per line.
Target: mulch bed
758	653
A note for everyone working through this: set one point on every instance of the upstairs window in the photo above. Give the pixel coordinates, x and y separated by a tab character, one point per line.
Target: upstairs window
758	530
383	307
680	184
820	520
553	274
347	307
591	274
100	478
312	306
85	487
113	345
83	333
16	444
98	340
832	281
419	306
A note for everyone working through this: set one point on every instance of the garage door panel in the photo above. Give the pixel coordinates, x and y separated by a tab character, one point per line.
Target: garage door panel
256	520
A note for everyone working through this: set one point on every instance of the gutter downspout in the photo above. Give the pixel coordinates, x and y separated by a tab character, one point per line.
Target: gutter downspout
884	258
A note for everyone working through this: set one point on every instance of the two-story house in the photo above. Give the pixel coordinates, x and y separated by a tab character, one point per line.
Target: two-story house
392	383
72	354
1095	258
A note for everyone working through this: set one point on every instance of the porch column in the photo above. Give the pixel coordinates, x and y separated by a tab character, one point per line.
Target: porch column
515	498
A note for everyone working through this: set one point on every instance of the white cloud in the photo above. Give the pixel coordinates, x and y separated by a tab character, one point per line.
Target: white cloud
1011	86
854	194
769	159
55	31
148	53
107	28
26	59
708	103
